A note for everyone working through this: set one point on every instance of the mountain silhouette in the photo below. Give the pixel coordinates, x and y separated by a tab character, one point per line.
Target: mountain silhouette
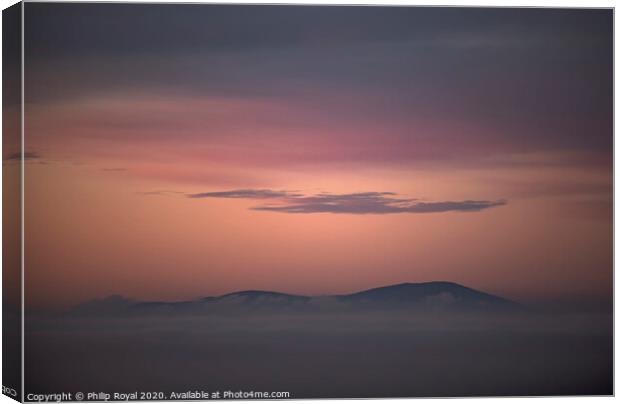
427	296
427	293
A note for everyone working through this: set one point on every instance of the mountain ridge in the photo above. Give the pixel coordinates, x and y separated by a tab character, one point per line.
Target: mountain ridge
433	295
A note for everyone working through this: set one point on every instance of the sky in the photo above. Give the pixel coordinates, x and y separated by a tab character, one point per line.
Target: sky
181	151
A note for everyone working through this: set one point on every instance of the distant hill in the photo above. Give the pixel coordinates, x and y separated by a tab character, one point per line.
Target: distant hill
415	297
431	294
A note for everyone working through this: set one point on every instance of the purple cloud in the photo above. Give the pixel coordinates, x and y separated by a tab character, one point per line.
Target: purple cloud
247	194
353	203
18	156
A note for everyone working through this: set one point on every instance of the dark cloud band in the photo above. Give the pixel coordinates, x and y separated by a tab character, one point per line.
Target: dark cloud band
354	203
247	194
26	156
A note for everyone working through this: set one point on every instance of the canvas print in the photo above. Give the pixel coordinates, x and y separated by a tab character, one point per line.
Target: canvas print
286	202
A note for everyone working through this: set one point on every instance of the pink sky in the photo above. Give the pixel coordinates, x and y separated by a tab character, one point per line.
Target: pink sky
117	219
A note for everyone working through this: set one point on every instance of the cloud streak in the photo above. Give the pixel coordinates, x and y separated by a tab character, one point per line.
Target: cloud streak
248	194
352	203
18	156
114	169
160	192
